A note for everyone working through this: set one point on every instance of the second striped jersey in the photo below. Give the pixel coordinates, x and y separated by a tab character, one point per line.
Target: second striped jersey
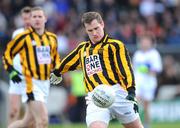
38	53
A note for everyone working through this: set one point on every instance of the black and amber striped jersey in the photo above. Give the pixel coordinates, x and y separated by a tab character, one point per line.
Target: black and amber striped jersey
106	62
38	53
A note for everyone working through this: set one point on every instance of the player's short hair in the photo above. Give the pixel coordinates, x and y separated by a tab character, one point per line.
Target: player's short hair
26	9
88	17
37	8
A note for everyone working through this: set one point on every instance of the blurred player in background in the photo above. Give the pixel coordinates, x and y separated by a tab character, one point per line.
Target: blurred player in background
38	48
15	89
103	60
147	64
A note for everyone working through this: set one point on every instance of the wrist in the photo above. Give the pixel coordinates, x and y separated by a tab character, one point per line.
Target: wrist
10	69
131	91
57	73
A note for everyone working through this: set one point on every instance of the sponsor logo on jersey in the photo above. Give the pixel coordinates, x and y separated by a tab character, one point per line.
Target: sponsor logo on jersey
43	54
93	64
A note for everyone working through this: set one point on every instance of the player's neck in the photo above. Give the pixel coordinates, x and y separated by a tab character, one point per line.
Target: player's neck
39	31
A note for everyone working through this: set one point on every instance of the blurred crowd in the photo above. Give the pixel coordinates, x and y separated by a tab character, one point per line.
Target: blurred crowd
125	20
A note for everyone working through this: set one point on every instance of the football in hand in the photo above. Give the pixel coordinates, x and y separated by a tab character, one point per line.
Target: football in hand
103	96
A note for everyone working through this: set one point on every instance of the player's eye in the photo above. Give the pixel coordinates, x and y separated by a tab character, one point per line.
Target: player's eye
96	28
90	30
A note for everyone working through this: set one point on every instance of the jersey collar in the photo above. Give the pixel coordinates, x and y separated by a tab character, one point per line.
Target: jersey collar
103	40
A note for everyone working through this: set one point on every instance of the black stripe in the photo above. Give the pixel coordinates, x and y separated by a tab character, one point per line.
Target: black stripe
73	67
90	50
119	61
54	37
27	57
54	62
112	64
97	79
35	57
36	62
10	68
49	41
45	65
16	43
105	73
46	71
86	84
80	59
129	65
18	51
85	73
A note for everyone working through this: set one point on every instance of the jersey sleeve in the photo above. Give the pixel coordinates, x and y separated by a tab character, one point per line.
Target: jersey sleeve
56	55
156	62
12	48
16	32
72	61
124	66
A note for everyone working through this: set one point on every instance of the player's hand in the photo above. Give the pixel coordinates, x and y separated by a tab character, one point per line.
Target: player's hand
133	99
55	77
14	76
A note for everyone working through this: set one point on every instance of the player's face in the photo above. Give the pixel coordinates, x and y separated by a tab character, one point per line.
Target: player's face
26	19
38	19
145	44
95	30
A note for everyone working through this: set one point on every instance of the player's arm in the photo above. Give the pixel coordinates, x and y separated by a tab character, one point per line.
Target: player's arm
55	54
156	63
70	63
124	66
12	48
126	71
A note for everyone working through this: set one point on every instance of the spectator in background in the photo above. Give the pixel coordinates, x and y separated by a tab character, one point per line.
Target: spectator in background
15	89
169	77
147	64
169	74
3	23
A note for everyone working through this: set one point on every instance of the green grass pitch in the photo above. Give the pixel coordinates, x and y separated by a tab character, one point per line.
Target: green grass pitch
117	125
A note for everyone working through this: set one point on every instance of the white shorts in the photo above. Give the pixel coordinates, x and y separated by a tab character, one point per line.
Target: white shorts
146	93
121	109
145	88
16	88
40	91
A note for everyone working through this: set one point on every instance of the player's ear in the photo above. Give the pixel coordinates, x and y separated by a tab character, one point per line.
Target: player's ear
45	18
102	23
